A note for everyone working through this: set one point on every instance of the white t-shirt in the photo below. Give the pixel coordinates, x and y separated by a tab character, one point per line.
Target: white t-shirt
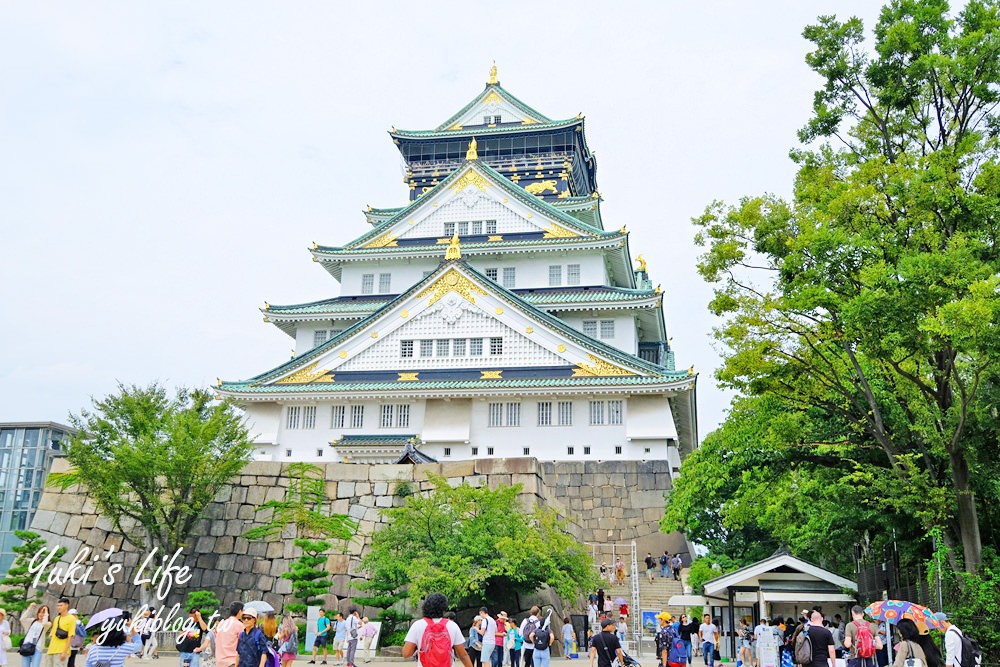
416	633
708	631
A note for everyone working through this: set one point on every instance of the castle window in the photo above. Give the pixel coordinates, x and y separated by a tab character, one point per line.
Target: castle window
357	416
545	413
477	226
586	451
555	276
509	277
647	450
463	228
293	416
486	120
527	451
565	413
607	329
476	347
458	347
403	416
319	337
496	119
492	274
491	226
309	417
615	409
569	450
406	348
443	347
449	229
513	414
337	417
495	415
596	413
572	274
489	451
288	453
475	451
367	283
590	328
426	348
447	451
384	283
386	416
618	449
319	452
496	346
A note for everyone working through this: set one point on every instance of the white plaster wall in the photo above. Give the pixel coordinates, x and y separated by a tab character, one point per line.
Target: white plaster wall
532	269
626	334
543	442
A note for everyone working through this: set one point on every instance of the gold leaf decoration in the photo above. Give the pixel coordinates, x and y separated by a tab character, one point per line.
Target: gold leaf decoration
387	240
494	238
600	368
556	232
471	177
408	377
304	375
492	98
452	281
561	348
491	375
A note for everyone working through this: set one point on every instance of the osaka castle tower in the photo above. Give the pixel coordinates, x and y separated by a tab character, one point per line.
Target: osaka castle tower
496	314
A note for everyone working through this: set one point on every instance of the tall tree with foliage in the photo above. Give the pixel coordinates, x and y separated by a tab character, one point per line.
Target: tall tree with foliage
475	544
151	463
308	575
306	507
870	301
15	587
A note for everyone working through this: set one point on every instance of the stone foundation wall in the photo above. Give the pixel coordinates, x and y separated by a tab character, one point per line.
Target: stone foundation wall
615	501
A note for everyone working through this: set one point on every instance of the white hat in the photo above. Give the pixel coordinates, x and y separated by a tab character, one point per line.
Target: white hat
250	611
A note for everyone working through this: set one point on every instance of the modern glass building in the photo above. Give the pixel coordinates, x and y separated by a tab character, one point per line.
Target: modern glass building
26	453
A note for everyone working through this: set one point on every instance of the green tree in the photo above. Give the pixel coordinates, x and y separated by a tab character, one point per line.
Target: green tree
15	587
152	463
205	601
870	301
305	507
475	544
308	575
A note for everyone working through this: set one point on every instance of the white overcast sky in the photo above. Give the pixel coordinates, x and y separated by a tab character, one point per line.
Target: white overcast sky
164	166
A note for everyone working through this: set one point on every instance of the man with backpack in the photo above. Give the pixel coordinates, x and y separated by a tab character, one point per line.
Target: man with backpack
528	626
814	646
252	647
861	640
541	639
675	565
959	650
664	564
435	636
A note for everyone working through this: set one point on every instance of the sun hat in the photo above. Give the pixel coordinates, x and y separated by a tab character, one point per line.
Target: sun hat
250	611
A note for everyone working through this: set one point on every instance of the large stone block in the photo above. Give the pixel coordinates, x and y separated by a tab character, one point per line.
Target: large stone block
390	473
255	495
350	472
380	488
345	489
528	482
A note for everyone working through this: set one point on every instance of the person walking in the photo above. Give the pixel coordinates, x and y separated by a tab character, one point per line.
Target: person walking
36	627
499	639
675	564
621	627
861	640
288	636
528	626
708	639
664	564
150	646
368	632
322	637
609	606
909	644
567	637
592	615
111	646
351	633
428	634
488	630
227	637
252	648
952	641
605	647
63	628
745	655
650	566
541	639
620	571
687	628
191	643
339	630
604	571
822	641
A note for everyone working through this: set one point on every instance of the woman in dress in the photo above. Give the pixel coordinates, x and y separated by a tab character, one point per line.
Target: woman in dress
288	637
620	571
37	629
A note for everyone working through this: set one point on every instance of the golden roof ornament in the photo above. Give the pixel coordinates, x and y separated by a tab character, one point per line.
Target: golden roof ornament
454	251
493	75
471	154
642	263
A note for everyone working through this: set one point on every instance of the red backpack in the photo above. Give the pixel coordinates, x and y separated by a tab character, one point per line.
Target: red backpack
435	645
863	641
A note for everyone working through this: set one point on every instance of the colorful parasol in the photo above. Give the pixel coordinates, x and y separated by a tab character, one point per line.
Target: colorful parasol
892	611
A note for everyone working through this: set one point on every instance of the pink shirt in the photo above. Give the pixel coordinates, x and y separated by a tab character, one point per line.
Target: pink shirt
227	639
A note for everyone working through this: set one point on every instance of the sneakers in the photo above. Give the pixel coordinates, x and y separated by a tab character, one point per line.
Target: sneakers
312	662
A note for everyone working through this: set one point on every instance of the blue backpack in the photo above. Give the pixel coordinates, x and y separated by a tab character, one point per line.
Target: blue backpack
677	653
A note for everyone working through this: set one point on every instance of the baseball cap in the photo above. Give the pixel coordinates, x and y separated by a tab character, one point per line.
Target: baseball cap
607	623
250	611
664	616
73	612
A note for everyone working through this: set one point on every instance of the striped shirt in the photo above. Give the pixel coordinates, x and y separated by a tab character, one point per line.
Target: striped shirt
115	655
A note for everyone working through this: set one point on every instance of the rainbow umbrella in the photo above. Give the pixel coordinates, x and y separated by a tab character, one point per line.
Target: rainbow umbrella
891	611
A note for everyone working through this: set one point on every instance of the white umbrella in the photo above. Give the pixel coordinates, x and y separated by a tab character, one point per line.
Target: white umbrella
261	606
101	616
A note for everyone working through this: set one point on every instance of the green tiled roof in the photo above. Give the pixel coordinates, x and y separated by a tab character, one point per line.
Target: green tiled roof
504	94
592	344
495	245
503	183
375	440
538	298
250	388
480	130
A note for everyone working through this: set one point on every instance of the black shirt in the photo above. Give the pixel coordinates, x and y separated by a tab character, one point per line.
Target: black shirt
607	646
687	630
650	563
190	640
822	640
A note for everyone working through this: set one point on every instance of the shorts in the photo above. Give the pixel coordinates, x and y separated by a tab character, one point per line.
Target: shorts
338	644
287	656
321	641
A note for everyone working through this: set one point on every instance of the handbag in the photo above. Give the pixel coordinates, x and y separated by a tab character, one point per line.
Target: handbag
60	633
911	661
27	649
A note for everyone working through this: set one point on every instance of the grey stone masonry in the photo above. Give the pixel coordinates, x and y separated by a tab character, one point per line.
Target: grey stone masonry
601	501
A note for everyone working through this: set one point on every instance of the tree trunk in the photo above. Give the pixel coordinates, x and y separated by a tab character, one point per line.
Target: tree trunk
968	514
